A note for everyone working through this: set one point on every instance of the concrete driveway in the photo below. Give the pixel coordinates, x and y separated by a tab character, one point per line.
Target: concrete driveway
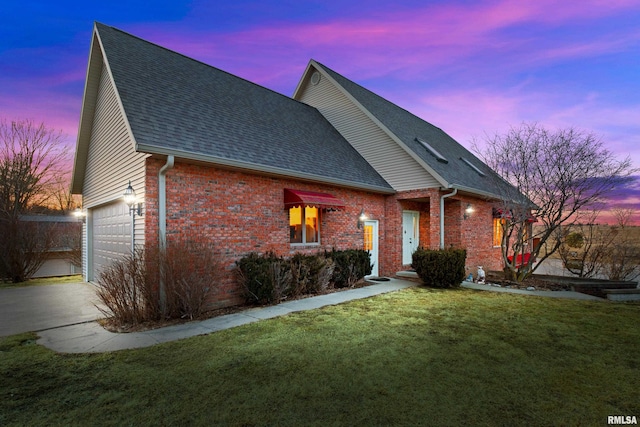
35	308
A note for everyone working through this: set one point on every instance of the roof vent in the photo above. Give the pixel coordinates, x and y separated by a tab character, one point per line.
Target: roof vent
315	78
439	157
472	166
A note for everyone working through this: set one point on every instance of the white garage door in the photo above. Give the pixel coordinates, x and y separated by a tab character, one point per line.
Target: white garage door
111	235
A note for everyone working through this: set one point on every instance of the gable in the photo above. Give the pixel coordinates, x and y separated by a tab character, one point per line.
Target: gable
395	165
111	159
448	162
177	106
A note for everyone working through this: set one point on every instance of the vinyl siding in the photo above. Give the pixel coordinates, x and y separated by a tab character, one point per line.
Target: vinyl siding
391	161
112	161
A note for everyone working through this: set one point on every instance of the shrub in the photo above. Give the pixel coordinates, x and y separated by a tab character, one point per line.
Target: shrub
440	268
265	278
269	278
311	273
350	266
124	289
129	287
191	272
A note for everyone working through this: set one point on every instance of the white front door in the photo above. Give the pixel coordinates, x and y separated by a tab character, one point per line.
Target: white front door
410	237
371	244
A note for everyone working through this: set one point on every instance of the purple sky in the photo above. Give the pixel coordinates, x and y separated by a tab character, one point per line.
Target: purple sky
469	67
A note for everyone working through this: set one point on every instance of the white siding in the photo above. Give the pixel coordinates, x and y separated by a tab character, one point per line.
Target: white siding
391	161
112	160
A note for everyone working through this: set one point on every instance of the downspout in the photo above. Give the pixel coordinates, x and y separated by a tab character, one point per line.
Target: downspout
444	196
162	226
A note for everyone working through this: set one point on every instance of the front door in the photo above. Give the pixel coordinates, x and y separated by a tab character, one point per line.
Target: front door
371	244
410	237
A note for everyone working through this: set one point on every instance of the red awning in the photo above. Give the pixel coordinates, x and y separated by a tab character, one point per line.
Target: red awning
294	198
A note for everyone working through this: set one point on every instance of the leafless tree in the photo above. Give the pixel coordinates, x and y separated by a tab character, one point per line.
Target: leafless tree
584	246
560	172
621	261
32	158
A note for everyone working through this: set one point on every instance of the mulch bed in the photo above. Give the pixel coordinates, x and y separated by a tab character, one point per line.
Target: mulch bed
112	326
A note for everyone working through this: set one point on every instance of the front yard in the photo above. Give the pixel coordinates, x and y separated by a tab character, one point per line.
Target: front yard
413	357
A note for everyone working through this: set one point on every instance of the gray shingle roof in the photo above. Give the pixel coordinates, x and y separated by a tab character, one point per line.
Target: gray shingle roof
177	105
470	175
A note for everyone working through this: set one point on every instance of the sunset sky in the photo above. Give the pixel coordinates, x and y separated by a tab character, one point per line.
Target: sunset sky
472	68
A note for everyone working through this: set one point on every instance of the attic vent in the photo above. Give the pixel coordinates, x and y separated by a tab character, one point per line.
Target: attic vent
472	166
433	151
315	78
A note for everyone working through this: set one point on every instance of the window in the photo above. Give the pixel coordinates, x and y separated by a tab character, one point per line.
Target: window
304	225
368	238
498	231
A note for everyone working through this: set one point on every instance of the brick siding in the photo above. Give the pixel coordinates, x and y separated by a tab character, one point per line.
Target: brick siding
242	213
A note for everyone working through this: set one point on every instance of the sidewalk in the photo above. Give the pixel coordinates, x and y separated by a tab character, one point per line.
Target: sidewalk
90	337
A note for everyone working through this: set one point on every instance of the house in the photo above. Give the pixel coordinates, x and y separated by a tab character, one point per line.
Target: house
253	170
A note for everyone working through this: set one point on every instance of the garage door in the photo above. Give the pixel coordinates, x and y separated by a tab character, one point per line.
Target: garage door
111	235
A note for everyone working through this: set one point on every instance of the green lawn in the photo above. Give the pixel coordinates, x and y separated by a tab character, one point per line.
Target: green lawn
413	357
41	281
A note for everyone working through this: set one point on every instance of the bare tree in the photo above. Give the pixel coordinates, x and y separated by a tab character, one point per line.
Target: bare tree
584	246
560	172
621	261
32	158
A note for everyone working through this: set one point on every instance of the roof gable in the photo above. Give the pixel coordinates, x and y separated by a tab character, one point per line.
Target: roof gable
177	105
441	155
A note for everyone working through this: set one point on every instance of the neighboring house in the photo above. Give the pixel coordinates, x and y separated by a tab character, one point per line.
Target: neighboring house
211	154
64	234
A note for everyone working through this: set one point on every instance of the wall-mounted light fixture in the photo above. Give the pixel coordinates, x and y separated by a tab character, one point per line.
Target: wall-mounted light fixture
362	218
130	199
80	215
468	211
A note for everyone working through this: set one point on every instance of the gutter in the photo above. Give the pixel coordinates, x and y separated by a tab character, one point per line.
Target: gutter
444	196
162	226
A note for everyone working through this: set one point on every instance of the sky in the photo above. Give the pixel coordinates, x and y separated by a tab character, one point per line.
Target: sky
473	68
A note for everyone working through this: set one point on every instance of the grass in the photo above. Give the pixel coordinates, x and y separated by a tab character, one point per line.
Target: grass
43	281
413	357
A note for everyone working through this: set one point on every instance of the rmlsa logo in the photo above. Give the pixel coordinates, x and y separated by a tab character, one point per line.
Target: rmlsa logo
622	419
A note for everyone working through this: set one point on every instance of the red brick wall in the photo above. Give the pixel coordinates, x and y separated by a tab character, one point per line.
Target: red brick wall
242	213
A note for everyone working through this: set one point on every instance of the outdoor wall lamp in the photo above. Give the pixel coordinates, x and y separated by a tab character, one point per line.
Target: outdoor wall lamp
362	218
468	211
130	200
80	215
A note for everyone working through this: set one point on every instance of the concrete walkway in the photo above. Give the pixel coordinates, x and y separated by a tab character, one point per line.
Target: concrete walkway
90	337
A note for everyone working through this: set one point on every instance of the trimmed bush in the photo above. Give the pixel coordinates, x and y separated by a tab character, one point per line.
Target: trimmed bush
350	266
442	268
270	278
311	274
266	278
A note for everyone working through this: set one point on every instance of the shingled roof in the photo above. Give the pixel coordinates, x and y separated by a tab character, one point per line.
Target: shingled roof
178	106
454	165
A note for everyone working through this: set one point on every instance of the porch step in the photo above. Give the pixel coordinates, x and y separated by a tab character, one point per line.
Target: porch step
407	274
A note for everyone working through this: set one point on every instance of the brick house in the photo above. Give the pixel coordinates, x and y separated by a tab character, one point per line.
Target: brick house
253	170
